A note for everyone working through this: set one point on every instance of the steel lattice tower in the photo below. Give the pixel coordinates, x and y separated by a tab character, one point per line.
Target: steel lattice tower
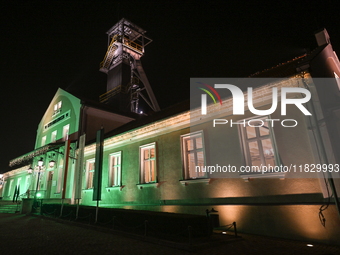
126	79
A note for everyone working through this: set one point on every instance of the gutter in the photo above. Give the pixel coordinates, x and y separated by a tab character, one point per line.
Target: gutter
322	149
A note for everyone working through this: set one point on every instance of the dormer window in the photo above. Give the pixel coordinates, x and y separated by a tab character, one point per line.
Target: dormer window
57	108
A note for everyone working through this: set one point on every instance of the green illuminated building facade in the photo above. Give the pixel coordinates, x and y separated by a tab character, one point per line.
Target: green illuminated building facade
149	161
66	116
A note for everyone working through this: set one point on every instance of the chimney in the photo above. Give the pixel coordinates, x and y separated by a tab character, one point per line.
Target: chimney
322	37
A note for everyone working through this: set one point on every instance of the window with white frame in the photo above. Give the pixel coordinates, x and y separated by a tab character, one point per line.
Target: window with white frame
27	182
60	176
4	187
90	166
57	108
115	169
258	142
66	130
43	141
148	171
10	187
18	182
193	156
54	136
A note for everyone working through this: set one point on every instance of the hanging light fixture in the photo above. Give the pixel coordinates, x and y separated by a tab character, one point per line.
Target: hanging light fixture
40	162
30	170
52	163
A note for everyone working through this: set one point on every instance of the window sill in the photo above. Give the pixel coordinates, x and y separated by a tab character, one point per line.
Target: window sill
279	175
108	189
198	180
152	184
84	190
55	113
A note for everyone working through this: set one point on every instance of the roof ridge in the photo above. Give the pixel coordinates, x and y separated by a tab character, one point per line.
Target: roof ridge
278	65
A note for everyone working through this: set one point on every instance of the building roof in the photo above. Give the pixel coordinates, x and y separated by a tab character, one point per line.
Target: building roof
290	67
28	157
104	107
144	120
281	70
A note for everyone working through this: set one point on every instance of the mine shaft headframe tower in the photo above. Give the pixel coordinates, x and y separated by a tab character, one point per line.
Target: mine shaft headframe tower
126	43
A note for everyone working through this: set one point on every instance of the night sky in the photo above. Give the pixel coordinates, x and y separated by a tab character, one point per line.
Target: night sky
51	44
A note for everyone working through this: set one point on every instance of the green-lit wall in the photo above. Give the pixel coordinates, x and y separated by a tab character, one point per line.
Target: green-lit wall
72	105
168	168
286	207
293	146
8	194
263	206
69	103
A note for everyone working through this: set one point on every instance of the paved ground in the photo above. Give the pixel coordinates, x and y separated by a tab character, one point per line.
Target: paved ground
20	234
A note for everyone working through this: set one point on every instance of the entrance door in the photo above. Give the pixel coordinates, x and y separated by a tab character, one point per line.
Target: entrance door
49	184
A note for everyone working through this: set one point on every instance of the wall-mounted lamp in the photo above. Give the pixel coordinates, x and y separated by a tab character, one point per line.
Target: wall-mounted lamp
40	162
30	170
210	211
52	163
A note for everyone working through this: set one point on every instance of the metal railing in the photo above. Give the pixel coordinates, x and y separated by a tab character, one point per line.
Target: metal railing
184	235
106	96
133	45
111	50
